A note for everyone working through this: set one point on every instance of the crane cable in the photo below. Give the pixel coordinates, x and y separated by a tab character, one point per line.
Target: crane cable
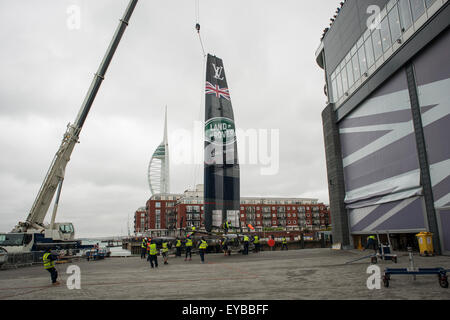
197	24
197	166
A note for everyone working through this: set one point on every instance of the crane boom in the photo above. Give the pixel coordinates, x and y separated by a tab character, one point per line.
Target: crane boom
55	174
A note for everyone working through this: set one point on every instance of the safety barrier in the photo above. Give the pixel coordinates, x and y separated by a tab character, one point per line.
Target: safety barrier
23	259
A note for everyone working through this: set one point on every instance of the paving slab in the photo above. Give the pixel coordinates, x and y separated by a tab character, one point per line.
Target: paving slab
310	274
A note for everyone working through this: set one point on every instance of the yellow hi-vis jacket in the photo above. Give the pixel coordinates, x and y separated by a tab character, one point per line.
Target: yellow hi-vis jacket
144	243
256	241
153	250
178	243
203	244
284	241
188	243
164	247
245	238
371	237
48	264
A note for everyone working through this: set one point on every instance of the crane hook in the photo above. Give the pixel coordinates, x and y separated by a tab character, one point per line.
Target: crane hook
197	27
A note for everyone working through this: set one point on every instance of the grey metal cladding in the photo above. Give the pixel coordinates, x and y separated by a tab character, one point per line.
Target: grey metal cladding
432	64
432	73
398	215
350	24
374	146
432	29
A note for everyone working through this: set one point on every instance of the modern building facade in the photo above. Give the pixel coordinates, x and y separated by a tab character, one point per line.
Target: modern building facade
171	212
387	119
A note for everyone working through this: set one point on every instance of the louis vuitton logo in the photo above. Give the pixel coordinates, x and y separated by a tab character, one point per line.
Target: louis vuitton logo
218	72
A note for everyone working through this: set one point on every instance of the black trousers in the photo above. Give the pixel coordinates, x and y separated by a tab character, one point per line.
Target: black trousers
202	254
257	247
371	244
143	251
178	252
153	258
245	248
53	274
188	251
283	246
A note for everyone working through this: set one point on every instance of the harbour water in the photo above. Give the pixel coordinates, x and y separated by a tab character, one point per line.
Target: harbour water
115	251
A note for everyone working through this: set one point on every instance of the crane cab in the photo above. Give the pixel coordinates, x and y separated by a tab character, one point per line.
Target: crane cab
62	231
17	242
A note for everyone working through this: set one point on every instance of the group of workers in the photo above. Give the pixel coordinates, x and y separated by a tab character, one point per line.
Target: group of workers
149	247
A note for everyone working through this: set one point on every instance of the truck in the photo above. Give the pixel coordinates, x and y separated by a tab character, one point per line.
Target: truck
32	234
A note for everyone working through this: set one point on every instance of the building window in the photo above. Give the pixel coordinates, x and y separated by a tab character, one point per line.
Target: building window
385	35
355	62
429	3
417	8
362	60
377	46
334	89
339	85
369	52
344	78
405	14
158	205
394	22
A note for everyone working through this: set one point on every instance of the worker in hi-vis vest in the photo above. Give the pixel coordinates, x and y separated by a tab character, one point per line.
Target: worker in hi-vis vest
188	245
153	254
256	243
165	252
225	247
284	244
143	248
202	249
246	242
371	242
178	247
49	265
149	242
226	226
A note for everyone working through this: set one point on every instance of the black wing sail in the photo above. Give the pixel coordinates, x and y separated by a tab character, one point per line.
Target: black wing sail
221	168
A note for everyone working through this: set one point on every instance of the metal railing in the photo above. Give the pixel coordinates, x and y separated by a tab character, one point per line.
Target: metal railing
16	260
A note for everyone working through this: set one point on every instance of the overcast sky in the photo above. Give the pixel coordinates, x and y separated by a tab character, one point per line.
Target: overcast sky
46	66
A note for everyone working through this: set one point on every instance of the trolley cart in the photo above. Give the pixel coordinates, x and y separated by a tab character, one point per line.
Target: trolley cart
412	270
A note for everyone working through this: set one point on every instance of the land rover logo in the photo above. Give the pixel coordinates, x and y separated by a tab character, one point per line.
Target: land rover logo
220	131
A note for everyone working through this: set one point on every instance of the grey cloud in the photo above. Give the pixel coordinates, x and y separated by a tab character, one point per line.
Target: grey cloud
268	49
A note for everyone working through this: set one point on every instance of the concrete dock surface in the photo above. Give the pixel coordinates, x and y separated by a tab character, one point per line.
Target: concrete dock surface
310	274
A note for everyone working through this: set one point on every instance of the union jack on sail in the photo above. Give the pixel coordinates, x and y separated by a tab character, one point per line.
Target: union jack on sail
217	91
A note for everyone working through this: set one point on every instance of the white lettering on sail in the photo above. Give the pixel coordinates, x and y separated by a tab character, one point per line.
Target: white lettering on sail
218	72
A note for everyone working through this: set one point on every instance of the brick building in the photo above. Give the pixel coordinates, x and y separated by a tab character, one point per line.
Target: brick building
172	211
